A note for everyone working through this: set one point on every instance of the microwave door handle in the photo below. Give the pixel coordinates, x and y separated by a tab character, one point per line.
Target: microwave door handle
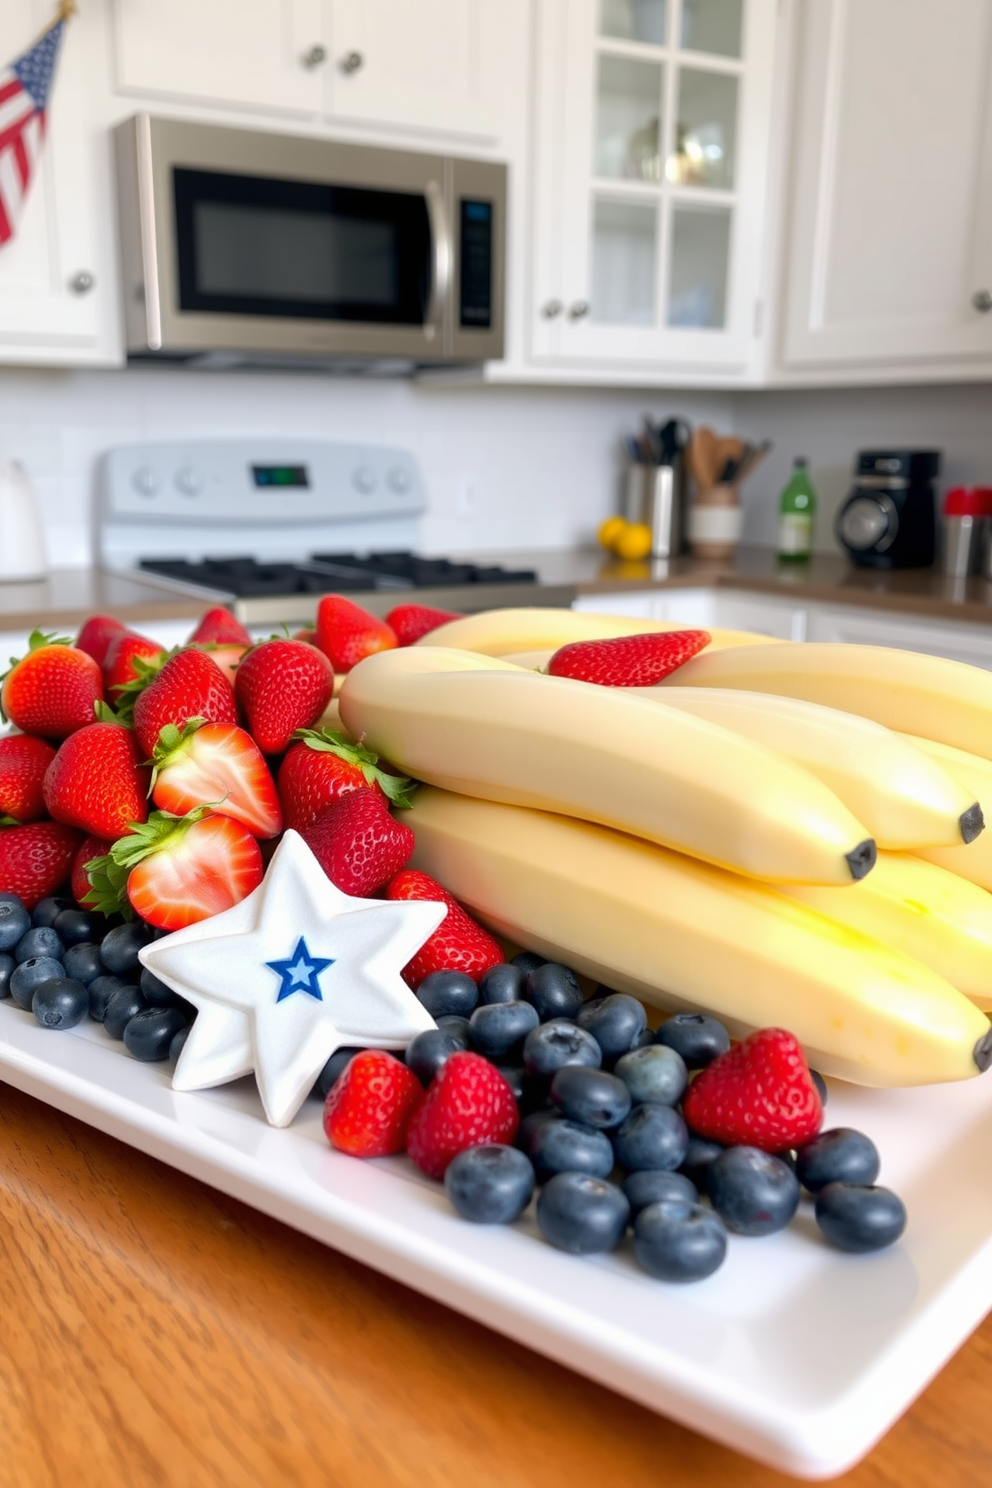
440	230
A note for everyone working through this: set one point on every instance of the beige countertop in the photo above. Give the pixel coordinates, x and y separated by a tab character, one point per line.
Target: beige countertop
67	596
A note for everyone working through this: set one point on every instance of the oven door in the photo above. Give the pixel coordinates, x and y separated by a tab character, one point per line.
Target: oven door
251	244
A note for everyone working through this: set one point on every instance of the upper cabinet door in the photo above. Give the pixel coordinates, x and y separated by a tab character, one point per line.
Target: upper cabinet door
653	120
256	54
436	65
891	242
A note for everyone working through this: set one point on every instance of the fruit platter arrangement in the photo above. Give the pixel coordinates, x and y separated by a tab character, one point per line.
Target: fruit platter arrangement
586	927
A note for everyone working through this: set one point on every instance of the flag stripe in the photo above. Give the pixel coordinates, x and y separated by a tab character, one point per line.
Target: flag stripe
24	90
9	89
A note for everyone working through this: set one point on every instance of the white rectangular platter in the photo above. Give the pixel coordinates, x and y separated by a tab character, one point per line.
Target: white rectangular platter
793	1353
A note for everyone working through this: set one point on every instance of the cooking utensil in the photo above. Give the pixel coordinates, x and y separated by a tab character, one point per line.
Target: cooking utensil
22	537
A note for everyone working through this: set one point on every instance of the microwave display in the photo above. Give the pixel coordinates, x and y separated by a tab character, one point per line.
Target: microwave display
249	245
476	298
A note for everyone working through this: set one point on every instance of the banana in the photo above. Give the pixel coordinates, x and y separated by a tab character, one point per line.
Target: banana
904	690
498	732
497	632
682	934
919	909
973	862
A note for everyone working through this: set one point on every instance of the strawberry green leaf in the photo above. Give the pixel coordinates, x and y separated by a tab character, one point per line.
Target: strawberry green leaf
9	821
146	669
108	887
162	829
106	714
36	640
398	789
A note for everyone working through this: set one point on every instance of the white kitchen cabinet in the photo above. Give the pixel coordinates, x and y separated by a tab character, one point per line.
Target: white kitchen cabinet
58	274
890	239
949	638
652	134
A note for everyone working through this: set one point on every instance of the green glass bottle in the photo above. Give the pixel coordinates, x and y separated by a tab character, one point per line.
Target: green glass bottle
796	511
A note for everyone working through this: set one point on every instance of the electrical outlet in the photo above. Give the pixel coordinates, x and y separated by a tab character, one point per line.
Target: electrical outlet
468	502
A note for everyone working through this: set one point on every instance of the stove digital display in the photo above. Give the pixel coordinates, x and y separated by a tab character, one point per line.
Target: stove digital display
281	475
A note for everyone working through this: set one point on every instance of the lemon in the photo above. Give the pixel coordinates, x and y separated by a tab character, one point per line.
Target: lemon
610	532
634	541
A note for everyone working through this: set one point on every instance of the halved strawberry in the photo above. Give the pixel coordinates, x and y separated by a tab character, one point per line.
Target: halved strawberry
347	634
458	943
23	762
321	766
219	626
97	634
411	621
174	871
628	661
282	686
96	781
53	690
131	662
36	859
219	765
190	685
92	848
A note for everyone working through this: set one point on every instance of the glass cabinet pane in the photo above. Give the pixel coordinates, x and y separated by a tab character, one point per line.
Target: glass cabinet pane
623	262
705	130
711	26
628	113
700	253
634	20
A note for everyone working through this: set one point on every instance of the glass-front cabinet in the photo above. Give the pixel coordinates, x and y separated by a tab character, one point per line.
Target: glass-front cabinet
653	131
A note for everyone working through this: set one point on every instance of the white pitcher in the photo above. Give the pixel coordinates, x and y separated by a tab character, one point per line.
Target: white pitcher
22	537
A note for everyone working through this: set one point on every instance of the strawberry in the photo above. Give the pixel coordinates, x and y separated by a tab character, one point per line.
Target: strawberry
35	860
92	848
458	943
96	781
759	1094
321	767
310	636
368	1108
347	634
53	690
468	1104
628	661
96	635
358	844
219	765
174	871
219	626
131	661
282	686
228	658
190	685
23	762
411	621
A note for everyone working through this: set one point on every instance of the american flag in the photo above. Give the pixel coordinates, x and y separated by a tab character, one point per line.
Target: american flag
24	89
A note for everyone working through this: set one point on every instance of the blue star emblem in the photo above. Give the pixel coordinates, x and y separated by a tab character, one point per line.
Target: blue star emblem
300	972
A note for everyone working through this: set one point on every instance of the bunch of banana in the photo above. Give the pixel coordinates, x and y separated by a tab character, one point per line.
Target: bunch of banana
498	632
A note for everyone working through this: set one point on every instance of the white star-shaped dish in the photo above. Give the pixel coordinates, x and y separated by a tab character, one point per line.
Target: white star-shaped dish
290	974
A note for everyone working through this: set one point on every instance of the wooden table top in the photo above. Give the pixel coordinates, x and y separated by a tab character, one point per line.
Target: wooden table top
154	1332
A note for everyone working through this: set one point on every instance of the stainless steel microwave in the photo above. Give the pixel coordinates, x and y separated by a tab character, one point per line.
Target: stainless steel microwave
240	246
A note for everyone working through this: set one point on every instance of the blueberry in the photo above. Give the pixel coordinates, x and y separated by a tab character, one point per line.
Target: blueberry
427	1052
581	1214
120	946
15	922
60	1003
502	983
698	1156
444	993
820	1084
516	1077
651	1137
860	1219
47	911
554	991
557	1044
457	1027
615	1022
41	941
331	1070
532	1122
178	1043
563	1146
148	1035
30	974
83	962
74	926
528	961
7	964
838	1156
155	992
697	1038
6	897
753	1192
490	1185
653	1073
643	1039
651	1186
590	1096
497	1027
121	1008
679	1241
102	989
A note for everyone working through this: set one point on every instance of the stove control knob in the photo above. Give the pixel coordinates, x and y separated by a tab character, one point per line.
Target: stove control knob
145	481
398	479
189	480
364	480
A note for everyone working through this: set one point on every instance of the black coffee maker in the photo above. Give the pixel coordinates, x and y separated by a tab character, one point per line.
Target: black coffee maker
889	520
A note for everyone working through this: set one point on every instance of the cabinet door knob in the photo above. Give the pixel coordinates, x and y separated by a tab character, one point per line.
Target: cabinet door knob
577	309
351	62
982	301
82	282
551	309
314	56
